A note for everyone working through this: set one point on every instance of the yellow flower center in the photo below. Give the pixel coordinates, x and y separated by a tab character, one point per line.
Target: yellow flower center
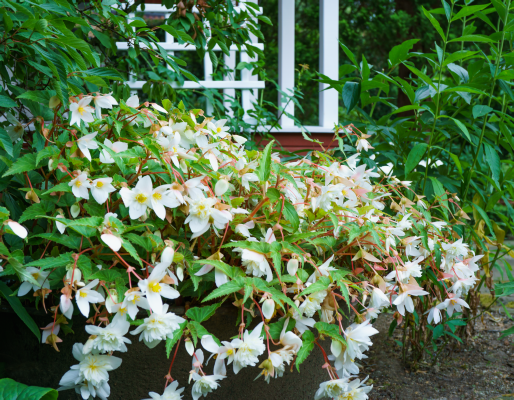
218	130
154	286
99	184
344	192
135	298
453	302
83	294
78	183
157	196
81	110
174	149
35	275
141	198
230	351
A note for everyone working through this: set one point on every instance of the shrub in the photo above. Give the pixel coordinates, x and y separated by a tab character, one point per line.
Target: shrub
134	204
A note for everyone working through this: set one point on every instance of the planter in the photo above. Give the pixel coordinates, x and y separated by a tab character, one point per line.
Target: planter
143	369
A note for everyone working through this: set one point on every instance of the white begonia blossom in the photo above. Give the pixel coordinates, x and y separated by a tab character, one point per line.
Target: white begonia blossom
87	295
80	186
59	225
332	389
378	299
221	187
358	338
244	229
138	199
204	384
172	392
134	299
268	308
292	266
154	289
312	303
256	263
158	326
86	143
116	147
323	270
218	128
303	323
41	277
18	229
110	338
104	101
162	198
452	304
404	300
247	178
434	314
248	349
113	241
100	189
81	111
202	212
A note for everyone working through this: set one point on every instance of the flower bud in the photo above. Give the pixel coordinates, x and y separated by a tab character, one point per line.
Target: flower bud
336	347
189	347
180	273
268	307
75	210
17	228
292	266
221	187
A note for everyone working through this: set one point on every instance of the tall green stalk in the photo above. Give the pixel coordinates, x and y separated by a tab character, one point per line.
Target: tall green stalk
437	105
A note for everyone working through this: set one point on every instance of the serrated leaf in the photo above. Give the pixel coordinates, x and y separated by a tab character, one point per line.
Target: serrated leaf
201	314
5	141
141	241
7	102
52	262
321	284
331	330
225	289
177	333
225	268
73	242
132	251
307	346
24	164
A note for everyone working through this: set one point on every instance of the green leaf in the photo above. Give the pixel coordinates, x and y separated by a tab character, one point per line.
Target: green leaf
505	333
349	54
223	267
132	251
108	275
7	102
351	95
275	328
273	194
493	160
223	290
399	53
61	187
201	314
139	240
52	262
463	128
20	311
263	171
331	330
473	38
480	111
484	216
289	213
468	10
21	271
435	23
177	333
307	346
73	242
11	390
265	19
5	141
415	156
35	211
321	284
24	164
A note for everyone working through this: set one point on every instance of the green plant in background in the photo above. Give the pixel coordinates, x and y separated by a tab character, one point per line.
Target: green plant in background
453	140
11	390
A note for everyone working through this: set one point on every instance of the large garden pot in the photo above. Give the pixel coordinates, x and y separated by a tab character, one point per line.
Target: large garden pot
143	369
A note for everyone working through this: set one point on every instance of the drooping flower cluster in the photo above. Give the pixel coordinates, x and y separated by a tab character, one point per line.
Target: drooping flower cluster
180	207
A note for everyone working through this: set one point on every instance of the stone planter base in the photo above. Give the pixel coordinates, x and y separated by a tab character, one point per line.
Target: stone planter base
143	369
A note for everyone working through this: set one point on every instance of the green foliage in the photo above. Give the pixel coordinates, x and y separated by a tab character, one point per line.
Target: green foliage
12	390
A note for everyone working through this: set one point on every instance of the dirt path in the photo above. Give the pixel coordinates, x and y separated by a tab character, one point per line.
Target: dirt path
482	369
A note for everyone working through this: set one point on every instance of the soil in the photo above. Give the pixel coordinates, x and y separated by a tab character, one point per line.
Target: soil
481	369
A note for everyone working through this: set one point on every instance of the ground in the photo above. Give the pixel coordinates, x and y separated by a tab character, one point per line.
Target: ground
481	369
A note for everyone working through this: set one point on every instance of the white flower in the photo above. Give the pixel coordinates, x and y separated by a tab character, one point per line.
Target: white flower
170	393
132	301
153	288
248	349
87	295
221	187
403	273
455	249
312	303
363	144
332	389
100	189
18	229
80	186
133	101
357	338
116	147
434	315
59	225
378	299
110	338
113	241
404	300
202	212
292	266
204	384
218	128
161	198
158	326
138	199
268	307
87	142
247	178
81	111
302	323
323	270
104	101
256	263
452	304
39	276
